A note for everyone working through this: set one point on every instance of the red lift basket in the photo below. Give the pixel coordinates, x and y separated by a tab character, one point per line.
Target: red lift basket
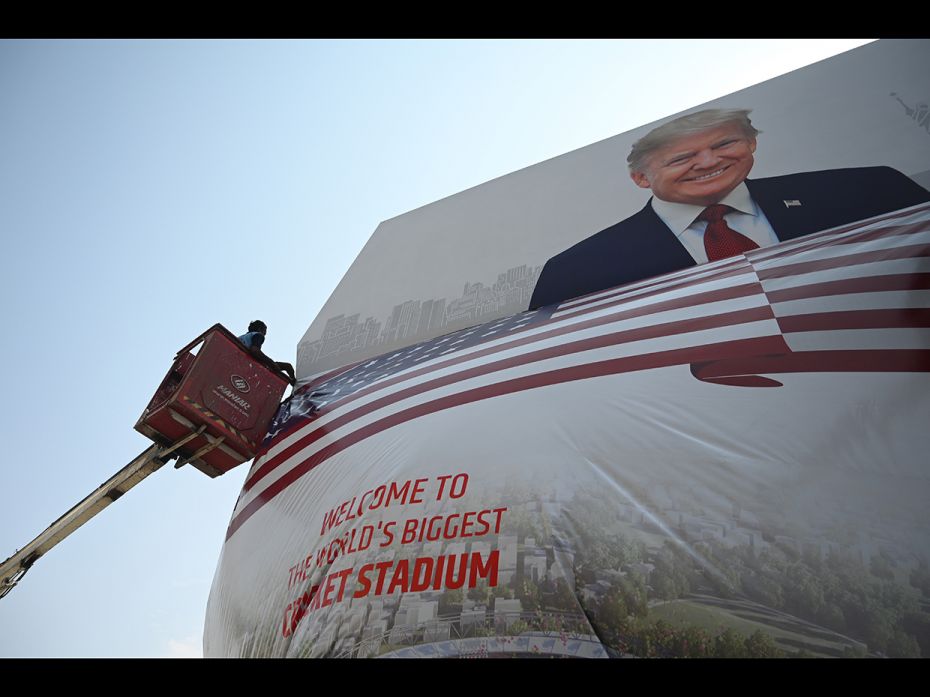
218	399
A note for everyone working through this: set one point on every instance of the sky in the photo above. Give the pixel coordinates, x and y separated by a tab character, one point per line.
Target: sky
149	189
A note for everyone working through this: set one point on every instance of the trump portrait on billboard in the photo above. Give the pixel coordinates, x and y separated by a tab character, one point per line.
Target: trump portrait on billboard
704	206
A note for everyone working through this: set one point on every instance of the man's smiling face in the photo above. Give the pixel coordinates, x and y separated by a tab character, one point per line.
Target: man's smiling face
701	168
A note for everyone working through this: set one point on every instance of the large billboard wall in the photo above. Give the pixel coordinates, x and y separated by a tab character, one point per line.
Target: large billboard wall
724	457
476	256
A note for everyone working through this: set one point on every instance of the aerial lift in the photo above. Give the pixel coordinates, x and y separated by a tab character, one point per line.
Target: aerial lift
211	411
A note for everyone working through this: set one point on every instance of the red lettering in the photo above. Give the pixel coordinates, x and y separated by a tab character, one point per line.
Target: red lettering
437	578
478	569
316	597
466	523
351	536
295	616
418	486
410	531
408	491
364	541
400	577
433	535
361	502
329	589
423	566
382	568
379	497
333	550
343	576
342	512
500	512
458	581
301	610
285	629
443	478
320	595
395	493
485	526
388	534
327	521
363	579
297	609
351	515
449	534
462	481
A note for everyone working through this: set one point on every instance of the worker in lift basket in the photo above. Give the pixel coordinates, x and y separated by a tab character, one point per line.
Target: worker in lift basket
253	341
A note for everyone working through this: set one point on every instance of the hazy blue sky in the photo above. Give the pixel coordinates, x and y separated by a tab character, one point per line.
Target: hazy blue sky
149	189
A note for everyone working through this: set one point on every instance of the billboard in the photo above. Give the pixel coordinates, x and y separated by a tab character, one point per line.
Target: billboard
479	255
718	457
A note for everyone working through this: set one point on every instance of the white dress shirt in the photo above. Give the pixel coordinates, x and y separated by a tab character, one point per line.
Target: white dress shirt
746	218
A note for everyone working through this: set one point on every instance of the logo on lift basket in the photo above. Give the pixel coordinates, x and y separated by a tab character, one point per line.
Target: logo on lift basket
239	383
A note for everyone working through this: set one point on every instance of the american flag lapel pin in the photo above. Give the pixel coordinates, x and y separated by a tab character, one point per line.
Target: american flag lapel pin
791	202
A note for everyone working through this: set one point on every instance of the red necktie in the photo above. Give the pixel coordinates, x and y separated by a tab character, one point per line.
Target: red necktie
720	240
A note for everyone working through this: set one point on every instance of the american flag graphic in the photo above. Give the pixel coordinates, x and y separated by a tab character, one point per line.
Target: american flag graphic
851	299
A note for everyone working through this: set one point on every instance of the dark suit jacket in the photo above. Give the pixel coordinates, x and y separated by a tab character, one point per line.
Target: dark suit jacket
642	246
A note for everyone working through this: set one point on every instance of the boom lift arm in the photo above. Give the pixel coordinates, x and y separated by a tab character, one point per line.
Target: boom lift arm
212	410
145	463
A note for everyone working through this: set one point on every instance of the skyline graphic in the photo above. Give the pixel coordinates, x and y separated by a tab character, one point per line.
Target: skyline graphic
348	338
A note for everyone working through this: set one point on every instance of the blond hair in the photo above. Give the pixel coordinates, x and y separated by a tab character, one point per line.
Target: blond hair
685	125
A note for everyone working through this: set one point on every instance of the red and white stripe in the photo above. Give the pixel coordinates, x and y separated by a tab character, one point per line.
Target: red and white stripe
854	289
865	288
